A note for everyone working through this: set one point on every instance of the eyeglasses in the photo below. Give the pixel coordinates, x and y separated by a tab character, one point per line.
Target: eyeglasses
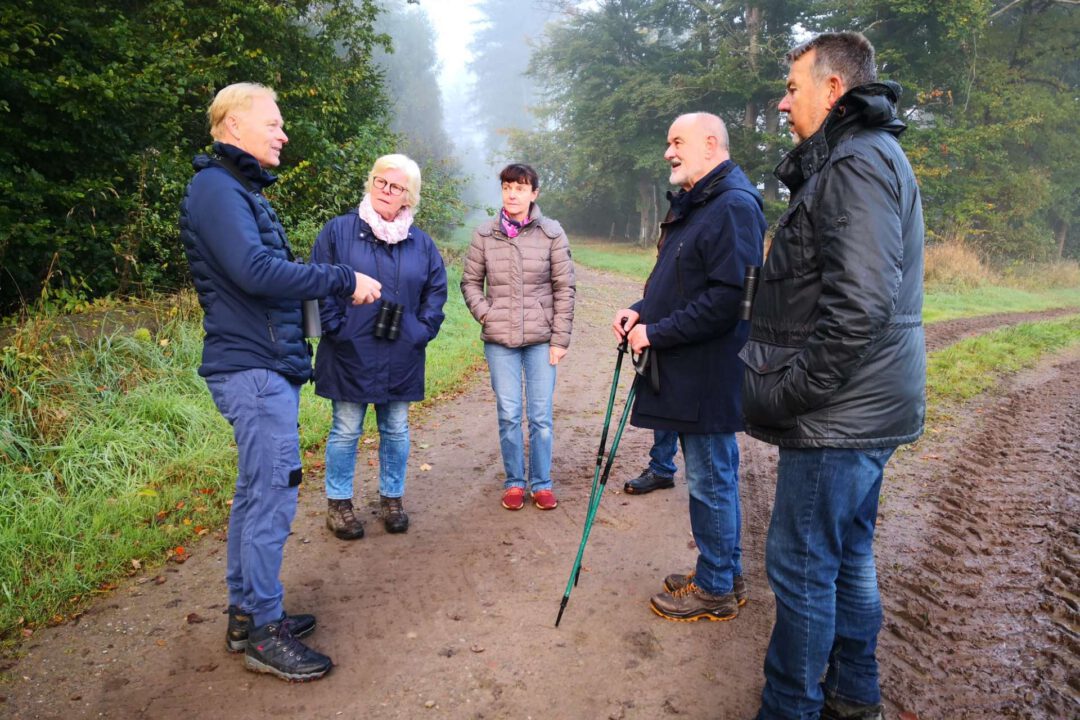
381	183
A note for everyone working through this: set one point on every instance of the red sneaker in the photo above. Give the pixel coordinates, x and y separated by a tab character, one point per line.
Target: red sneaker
545	500
514	498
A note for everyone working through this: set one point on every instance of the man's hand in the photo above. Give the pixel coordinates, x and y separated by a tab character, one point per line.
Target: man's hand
624	320
555	354
638	338
368	290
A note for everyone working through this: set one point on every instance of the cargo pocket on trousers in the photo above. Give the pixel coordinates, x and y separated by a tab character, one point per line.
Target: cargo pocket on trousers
288	472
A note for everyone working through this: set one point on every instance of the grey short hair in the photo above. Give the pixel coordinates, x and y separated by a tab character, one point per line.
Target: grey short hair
848	55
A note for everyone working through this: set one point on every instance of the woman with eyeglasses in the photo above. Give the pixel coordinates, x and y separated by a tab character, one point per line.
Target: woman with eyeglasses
518	283
374	354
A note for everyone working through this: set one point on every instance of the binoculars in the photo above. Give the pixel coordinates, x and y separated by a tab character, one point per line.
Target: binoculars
388	321
750	281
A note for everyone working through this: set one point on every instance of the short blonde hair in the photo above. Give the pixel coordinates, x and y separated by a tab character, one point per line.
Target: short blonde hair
408	166
231	98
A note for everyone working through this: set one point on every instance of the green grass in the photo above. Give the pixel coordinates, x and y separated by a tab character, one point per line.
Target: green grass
939	304
112	454
970	367
990	299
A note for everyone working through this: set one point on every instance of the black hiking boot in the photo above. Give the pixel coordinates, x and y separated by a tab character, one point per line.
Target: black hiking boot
236	637
676	581
342	521
837	709
394	516
273	649
646	482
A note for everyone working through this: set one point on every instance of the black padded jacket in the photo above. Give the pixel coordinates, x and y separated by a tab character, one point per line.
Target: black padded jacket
837	356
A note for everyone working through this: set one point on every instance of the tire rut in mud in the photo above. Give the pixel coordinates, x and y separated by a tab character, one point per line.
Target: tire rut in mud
981	606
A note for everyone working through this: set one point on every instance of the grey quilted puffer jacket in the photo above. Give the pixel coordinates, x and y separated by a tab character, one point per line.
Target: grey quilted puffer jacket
521	289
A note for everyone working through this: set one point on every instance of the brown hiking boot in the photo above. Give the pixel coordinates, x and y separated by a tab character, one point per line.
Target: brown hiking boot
341	520
394	517
690	603
677	580
837	709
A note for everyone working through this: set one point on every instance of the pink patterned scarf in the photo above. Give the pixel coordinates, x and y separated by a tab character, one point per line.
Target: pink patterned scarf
390	232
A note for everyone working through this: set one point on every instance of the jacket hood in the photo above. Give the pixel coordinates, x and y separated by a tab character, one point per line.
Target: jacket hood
245	164
871	106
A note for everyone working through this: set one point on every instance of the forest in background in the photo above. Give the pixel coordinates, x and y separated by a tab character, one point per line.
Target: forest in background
102	107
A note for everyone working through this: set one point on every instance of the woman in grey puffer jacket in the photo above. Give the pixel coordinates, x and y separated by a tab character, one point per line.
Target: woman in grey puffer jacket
526	311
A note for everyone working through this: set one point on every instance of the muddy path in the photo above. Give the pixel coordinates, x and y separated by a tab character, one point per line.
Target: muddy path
455	619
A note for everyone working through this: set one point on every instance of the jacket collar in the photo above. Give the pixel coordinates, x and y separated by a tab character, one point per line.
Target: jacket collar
703	190
232	158
870	106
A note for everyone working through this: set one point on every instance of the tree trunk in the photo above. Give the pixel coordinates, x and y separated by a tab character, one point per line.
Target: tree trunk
646	211
1061	234
772	127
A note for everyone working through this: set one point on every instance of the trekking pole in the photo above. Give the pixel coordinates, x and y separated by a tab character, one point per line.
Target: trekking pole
599	479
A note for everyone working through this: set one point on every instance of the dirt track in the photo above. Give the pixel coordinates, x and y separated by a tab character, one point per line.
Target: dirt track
977	556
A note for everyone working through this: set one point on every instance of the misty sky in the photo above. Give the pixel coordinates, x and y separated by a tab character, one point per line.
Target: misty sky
454	21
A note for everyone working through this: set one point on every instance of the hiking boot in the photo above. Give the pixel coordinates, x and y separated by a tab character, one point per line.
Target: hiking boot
273	649
690	603
513	498
545	500
394	517
837	709
341	520
646	482
676	580
236	637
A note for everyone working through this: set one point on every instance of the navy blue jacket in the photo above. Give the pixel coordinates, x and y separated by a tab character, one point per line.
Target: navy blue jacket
691	305
351	363
248	285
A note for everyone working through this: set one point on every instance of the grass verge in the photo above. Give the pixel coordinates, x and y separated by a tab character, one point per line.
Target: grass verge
113	458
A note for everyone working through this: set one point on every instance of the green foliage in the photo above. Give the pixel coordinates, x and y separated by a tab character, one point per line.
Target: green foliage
104	106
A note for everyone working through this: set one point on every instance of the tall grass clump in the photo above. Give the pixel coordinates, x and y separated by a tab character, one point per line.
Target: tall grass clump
954	265
113	456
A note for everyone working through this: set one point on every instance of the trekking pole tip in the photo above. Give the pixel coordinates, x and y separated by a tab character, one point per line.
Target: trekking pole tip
562	607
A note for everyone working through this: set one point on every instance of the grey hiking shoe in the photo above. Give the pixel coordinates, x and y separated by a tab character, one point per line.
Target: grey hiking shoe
342	521
677	580
273	649
690	603
837	709
236	636
394	517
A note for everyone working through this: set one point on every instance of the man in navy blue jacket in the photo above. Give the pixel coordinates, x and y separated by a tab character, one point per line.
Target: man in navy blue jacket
255	359
689	317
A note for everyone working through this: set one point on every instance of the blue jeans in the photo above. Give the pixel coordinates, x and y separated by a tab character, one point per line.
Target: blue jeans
507	365
820	562
662	453
712	474
262	407
348	425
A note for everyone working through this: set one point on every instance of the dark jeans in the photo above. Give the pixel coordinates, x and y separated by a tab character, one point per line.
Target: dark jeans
662	453
820	562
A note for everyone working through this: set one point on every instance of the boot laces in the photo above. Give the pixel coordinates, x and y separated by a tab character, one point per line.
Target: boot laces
689	588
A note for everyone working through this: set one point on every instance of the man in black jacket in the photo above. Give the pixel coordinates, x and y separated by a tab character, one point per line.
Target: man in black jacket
689	317
835	373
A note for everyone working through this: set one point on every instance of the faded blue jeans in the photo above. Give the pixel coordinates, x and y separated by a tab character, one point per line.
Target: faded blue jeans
392	419
262	407
712	474
820	562
662	453
507	366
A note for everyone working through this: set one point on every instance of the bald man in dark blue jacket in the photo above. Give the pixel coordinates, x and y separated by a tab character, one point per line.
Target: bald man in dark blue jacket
689	317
